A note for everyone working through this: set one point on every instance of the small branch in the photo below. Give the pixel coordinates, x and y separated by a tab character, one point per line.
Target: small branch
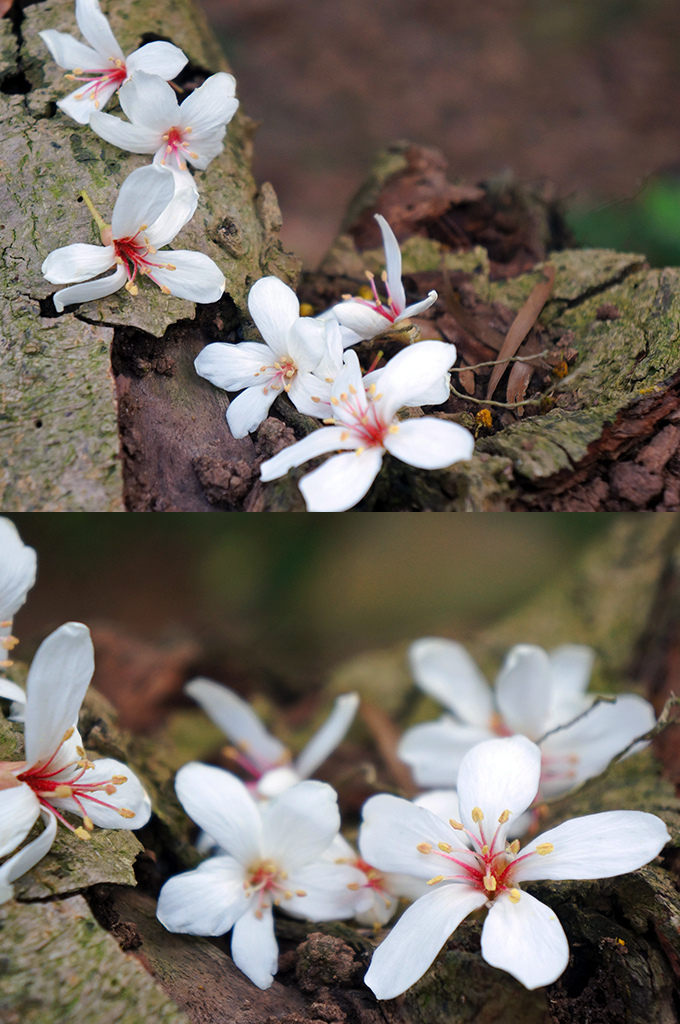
489	401
495	362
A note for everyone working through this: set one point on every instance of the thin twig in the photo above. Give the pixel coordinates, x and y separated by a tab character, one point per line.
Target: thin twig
495	362
489	401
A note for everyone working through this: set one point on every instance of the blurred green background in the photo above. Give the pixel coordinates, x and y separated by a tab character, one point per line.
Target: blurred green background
292	594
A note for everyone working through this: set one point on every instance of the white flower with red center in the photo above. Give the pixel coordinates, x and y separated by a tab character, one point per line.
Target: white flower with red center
259	753
365	423
272	857
368	319
17	576
535	693
56	775
294	348
377	894
148	214
469	865
175	133
102	67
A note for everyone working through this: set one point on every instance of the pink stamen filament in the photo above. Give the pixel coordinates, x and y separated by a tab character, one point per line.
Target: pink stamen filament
97	78
389	310
132	255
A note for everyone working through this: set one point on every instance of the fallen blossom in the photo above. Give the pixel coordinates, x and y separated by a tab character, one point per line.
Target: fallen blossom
56	775
368	319
192	131
365	425
293	349
102	67
264	757
272	858
17	576
535	693
149	212
28	856
470	865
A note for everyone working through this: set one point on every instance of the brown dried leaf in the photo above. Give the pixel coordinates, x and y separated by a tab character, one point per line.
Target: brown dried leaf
467	380
5	6
521	325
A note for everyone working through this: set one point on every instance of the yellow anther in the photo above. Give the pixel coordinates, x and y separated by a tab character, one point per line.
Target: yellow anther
344	436
315	398
88	823
376	398
82	833
455	824
291	372
343	396
514	895
371	389
125	813
329	422
353	886
63	791
437	878
360	451
502	818
80	751
259	915
9	642
152	251
477	815
118	780
383	276
262	369
67	735
170	266
444	847
393	429
388	904
369	275
109	788
489	883
300	892
346	297
513	847
287	895
485	850
164	289
352	389
424	847
188	130
544	848
277	901
131	288
334	400
76	71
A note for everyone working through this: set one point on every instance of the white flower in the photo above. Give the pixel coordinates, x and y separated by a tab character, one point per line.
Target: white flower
366	425
174	133
57	776
377	895
294	348
262	755
368	319
470	865
28	856
148	214
102	67
535	693
17	576
273	857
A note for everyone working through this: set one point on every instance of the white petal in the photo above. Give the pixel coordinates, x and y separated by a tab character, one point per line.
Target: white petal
69	52
206	901
331	733
253	947
249	409
212	105
418	307
360	319
442	802
584	749
417	937
310	395
307	343
157	58
10	691
130	796
526	940
429	443
392	263
78	262
496	776
59	675
196	277
445	670
234	367
238	721
524	690
207	146
393	829
342	481
220	804
151	104
274	307
434	750
572	665
349	379
17	570
143	196
595	846
89	290
29	856
82	103
176	214
327	439
131	137
412	374
19	808
327	896
300	824
276	781
95	28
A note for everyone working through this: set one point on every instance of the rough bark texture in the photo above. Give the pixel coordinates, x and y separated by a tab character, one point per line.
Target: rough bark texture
624	941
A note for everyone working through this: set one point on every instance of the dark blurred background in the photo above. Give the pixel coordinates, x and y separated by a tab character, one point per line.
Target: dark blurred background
580	95
273	605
